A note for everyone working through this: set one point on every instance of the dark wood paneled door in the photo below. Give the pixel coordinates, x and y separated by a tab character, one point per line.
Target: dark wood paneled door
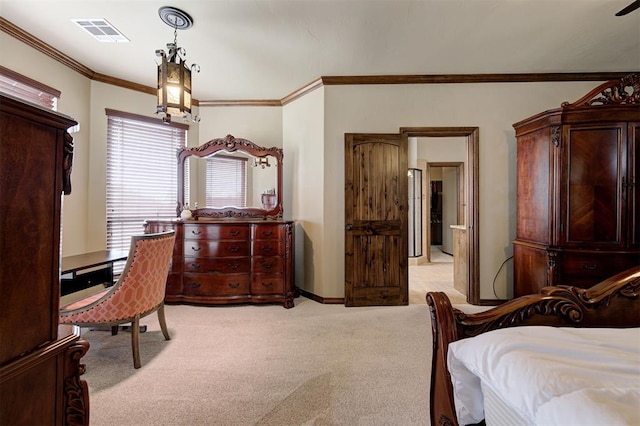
376	253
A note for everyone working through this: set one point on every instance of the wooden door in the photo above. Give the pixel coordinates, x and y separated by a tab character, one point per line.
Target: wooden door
376	252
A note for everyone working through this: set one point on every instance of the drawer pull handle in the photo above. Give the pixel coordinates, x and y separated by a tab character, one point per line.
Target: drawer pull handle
267	249
195	266
234	285
234	233
268	265
196	248
195	285
233	266
234	249
267	284
267	233
591	267
194	232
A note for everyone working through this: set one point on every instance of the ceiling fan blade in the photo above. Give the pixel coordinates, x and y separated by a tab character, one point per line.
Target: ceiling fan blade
633	6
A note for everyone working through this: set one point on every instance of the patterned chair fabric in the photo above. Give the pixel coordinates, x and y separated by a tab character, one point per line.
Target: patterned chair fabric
139	291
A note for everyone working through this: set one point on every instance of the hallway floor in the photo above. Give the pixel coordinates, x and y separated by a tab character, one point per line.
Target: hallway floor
434	276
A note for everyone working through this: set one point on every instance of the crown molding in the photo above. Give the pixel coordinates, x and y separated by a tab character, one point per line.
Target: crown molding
23	36
247	102
472	78
55	54
296	94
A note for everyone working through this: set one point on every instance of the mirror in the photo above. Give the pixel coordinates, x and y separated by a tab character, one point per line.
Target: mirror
230	178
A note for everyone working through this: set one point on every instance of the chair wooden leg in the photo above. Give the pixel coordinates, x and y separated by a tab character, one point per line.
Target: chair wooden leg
114	329
163	322
135	338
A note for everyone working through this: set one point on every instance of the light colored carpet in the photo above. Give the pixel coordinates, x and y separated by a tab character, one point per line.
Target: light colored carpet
265	365
313	364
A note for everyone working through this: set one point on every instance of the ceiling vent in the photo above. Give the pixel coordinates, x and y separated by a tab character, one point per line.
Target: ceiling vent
101	30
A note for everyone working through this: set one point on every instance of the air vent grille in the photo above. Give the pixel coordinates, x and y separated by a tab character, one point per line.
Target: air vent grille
101	30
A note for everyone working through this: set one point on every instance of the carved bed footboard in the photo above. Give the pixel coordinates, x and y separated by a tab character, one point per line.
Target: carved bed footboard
614	302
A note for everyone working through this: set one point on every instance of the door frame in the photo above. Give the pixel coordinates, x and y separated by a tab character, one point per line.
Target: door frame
471	198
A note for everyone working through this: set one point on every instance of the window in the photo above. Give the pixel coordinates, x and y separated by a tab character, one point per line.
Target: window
24	88
226	177
141	173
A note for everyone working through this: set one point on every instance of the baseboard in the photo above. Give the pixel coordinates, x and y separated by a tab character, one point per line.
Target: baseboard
323	300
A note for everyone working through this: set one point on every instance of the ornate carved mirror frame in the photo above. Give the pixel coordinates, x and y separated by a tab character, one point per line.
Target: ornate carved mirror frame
231	144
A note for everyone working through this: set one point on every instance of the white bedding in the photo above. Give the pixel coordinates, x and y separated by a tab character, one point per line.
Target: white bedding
550	376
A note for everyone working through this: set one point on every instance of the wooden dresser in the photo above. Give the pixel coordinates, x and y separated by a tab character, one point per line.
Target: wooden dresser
39	362
578	190
230	261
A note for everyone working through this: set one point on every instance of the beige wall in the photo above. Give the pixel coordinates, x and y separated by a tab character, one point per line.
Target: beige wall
261	125
304	188
385	108
311	131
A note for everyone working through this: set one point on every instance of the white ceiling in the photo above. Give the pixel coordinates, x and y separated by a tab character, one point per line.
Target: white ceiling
266	49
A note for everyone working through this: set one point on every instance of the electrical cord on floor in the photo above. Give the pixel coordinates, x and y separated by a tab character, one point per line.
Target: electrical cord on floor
494	278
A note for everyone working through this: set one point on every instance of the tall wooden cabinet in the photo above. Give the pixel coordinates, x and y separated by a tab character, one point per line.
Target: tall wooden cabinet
39	361
578	218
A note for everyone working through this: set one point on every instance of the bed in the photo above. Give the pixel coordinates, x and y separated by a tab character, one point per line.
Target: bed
577	359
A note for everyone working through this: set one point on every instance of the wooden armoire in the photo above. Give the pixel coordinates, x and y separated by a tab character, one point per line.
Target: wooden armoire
40	371
578	218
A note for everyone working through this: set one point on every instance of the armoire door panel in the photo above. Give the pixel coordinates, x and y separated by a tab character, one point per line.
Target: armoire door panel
594	170
534	166
632	186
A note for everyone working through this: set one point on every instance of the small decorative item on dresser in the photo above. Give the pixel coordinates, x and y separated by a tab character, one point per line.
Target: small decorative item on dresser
186	212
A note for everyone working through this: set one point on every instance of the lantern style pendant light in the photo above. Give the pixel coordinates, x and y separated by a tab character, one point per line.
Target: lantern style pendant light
174	75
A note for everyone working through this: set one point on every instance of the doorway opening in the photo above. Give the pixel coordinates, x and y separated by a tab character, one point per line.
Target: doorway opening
467	205
445	204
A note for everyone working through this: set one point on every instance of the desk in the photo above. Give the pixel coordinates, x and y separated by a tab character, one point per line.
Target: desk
97	267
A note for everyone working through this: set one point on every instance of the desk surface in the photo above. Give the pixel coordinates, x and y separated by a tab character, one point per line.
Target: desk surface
89	260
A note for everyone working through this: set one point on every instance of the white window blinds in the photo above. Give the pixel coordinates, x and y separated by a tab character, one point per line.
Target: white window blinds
141	173
226	177
19	86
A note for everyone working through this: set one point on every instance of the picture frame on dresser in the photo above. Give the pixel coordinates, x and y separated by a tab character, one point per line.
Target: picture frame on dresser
230	254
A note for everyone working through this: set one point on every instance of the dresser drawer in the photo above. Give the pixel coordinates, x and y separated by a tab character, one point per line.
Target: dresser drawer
268	232
154	228
216	285
267	248
231	265
206	248
267	264
217	232
267	284
585	270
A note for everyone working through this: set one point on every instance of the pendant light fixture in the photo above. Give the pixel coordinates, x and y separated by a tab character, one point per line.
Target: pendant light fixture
174	75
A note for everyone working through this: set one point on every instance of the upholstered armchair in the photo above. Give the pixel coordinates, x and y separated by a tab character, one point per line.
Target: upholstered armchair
138	292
